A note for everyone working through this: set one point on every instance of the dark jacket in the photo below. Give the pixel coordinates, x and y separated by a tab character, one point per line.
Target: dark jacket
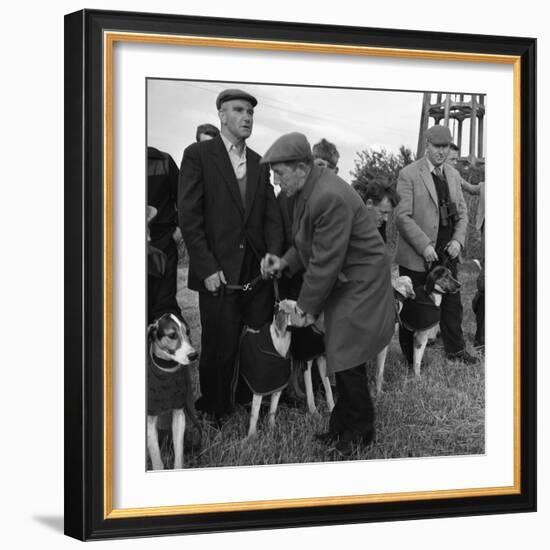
215	224
162	188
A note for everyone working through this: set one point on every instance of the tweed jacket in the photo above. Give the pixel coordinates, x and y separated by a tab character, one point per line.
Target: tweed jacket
417	214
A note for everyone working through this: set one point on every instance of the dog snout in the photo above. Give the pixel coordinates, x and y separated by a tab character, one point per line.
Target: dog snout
192	356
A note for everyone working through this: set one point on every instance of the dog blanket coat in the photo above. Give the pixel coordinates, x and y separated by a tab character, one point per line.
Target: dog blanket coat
419	313
306	343
262	368
166	390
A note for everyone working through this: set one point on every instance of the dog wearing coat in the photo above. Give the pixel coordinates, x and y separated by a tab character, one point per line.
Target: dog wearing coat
421	315
264	361
403	290
169	384
307	347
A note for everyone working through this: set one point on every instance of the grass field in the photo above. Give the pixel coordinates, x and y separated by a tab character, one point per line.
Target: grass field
443	413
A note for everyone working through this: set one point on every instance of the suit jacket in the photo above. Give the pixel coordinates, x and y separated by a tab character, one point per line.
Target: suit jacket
214	222
417	214
346	269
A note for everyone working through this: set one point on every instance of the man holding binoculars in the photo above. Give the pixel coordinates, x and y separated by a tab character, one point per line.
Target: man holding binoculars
432	219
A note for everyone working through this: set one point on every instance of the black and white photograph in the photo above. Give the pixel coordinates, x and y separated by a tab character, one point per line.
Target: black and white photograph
315	274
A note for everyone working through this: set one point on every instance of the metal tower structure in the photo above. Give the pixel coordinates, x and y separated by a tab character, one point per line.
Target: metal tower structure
455	111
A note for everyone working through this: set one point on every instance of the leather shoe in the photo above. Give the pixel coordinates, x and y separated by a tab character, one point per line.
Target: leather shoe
346	446
463	356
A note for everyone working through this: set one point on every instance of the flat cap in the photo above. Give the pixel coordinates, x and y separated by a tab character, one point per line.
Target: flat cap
233	93
293	146
439	135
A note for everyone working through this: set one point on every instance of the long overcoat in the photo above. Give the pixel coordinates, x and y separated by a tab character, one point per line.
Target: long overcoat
346	269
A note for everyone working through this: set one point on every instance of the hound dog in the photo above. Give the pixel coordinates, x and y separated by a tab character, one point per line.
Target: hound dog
403	290
307	347
421	315
169	383
264	361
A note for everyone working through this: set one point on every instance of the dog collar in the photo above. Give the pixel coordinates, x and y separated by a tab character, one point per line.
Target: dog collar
169	365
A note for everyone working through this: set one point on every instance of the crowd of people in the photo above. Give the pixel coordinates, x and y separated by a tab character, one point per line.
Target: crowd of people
323	242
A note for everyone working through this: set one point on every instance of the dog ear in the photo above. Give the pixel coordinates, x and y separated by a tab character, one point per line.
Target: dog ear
152	331
431	280
281	320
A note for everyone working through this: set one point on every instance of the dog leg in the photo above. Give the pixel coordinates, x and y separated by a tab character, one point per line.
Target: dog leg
380	364
322	366
178	431
273	407
295	371
420	341
153	443
254	414
309	389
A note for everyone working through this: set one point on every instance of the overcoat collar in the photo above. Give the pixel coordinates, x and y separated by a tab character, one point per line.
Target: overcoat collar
304	195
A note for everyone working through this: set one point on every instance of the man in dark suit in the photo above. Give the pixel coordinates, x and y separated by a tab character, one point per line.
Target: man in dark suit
346	277
229	220
432	219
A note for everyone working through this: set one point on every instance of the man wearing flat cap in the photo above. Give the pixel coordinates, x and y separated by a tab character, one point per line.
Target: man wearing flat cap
432	219
346	276
229	220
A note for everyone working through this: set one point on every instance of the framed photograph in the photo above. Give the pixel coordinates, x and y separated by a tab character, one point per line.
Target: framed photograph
199	155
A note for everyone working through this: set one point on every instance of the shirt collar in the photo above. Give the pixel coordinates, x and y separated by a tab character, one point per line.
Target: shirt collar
431	167
231	147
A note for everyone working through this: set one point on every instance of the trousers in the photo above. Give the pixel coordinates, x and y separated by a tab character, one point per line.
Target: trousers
353	415
223	316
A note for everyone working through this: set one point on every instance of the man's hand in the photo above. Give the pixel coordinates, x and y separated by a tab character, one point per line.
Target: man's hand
309	319
272	266
214	281
430	254
453	249
300	318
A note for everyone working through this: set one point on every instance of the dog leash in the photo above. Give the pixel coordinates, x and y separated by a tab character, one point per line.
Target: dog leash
276	293
247	287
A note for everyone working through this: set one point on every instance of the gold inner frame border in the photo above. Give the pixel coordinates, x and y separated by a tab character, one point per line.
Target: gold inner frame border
109	40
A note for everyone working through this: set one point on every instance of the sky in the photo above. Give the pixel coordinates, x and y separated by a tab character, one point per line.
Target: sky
352	119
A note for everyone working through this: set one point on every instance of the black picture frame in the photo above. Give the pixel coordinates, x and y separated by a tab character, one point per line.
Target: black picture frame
87	514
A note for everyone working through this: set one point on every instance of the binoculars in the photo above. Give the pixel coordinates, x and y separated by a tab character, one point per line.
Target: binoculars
447	211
